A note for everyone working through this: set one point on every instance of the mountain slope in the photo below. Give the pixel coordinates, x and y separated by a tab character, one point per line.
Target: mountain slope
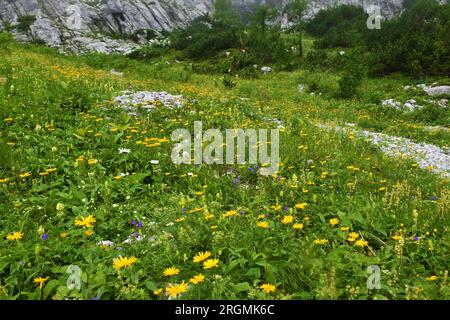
93	24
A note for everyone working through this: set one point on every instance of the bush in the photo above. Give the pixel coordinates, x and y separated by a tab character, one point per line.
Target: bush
24	23
348	86
424	52
341	26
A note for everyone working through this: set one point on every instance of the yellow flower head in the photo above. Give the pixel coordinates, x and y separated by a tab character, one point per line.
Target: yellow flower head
86	221
334	221
175	290
211	263
197	279
276	207
361	243
298	226
17	235
157	292
199	257
40	281
432	278
397	237
91	162
268	288
123	262
172	271
230	213
24	175
262	224
301	205
352	236
344	228
321	241
287	219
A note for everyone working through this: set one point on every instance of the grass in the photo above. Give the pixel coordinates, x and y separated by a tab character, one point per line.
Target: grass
59	141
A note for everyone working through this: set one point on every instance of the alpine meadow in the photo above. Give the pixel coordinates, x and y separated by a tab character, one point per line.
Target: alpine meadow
224	150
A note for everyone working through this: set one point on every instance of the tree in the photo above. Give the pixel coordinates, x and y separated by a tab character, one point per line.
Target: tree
294	12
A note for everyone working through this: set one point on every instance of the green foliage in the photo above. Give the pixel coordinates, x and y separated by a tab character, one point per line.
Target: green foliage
228	82
147	53
393	48
24	22
340	26
204	37
424	52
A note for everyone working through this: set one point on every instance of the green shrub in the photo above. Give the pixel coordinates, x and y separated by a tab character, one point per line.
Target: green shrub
24	22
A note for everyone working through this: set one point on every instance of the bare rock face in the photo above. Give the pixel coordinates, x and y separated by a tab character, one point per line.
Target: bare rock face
85	25
93	24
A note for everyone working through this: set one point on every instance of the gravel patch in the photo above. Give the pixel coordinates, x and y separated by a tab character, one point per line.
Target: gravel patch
147	100
427	156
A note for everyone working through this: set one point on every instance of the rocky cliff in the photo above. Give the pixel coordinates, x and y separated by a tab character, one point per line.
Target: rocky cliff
95	24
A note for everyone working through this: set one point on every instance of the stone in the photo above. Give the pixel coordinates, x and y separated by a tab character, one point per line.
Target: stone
437	91
266	69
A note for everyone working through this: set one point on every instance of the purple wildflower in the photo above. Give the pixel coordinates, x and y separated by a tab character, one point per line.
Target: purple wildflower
44	236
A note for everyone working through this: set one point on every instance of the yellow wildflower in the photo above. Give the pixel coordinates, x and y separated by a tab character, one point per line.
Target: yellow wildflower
211	263
268	288
123	262
197	279
199	257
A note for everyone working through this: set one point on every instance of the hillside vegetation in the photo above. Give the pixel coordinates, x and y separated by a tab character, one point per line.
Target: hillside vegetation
78	175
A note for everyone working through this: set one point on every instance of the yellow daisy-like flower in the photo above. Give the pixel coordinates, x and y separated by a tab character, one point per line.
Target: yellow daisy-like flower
321	241
89	233
352	236
276	207
175	290
123	262
86	221
4	180
431	278
301	206
209	216
17	235
24	175
229	213
172	271
262	224
268	288
397	237
199	257
157	292
180	219
41	281
298	226
361	243
91	162
287	219
344	228
211	263
334	221
197	279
